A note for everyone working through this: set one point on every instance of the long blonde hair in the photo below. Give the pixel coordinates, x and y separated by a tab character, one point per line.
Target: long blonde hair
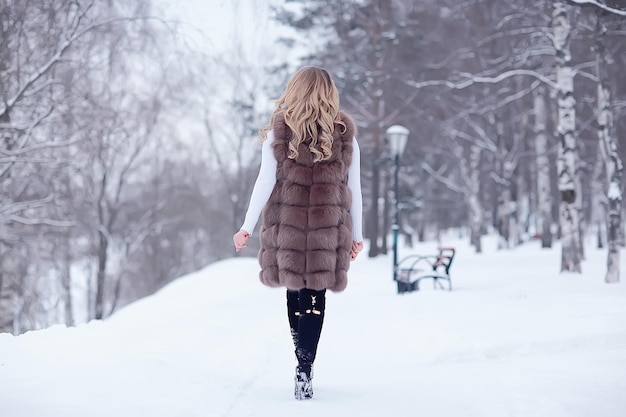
310	106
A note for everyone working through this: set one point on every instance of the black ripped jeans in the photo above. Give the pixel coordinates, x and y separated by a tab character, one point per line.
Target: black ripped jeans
305	309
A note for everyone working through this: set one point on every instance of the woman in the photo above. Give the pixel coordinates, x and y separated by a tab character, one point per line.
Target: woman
309	192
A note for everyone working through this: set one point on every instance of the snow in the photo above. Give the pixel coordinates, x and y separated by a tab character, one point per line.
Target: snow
514	338
614	191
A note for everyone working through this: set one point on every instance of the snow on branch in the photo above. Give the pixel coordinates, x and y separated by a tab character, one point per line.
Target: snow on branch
438	175
13	208
23	142
473	79
482	109
15	160
41	221
10	212
38	146
596	3
71	37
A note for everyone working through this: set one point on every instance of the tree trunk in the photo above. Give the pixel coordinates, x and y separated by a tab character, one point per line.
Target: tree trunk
7	306
66	283
598	196
544	192
567	154
503	221
581	215
101	277
387	212
7	299
476	208
613	163
504	192
521	213
377	25
372	227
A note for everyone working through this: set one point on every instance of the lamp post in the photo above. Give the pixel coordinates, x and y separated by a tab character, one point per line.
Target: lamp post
397	136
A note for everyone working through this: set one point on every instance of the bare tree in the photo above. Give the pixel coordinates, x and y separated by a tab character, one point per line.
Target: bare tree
569	220
610	156
48	51
29	95
544	193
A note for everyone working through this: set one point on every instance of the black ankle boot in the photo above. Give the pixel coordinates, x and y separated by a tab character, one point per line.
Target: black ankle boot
303	387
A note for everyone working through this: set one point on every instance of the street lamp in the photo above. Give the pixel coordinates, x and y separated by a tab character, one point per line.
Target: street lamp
397	136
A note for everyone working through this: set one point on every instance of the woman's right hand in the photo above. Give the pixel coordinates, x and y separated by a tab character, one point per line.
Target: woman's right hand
240	239
356	248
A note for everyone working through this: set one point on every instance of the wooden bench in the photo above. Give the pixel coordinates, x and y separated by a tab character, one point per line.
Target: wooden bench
414	268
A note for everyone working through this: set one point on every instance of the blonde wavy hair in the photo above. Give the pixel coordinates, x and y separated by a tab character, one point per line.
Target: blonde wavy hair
310	106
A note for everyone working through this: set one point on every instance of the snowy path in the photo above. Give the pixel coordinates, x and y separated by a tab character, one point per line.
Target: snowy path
515	338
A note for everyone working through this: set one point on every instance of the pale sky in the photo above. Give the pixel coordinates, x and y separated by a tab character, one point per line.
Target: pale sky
239	33
218	25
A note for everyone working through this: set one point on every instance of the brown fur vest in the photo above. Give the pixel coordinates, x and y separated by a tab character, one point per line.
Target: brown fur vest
306	233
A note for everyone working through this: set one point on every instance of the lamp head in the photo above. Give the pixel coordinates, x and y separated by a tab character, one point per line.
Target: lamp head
397	136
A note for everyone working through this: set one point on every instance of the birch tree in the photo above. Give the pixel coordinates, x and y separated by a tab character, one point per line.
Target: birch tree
569	220
542	161
494	67
610	155
507	156
470	174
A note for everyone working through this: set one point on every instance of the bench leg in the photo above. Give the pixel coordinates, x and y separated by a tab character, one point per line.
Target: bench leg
407	286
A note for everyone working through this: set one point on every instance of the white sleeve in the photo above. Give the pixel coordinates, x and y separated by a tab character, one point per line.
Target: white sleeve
354	183
263	186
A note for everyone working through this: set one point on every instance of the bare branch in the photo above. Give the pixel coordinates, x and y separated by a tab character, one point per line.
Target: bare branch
458	54
596	3
24	140
486	142
12	160
38	147
459	134
39	221
366	114
37	89
441	178
211	138
41	71
74	35
391	116
482	110
588	76
471	80
12	208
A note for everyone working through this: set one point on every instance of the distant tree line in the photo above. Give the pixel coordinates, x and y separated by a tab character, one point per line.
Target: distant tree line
127	157
516	112
114	174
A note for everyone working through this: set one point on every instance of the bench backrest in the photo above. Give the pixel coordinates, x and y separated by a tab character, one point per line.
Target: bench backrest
445	258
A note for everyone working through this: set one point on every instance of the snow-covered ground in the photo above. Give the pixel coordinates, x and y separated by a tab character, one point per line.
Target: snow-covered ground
514	338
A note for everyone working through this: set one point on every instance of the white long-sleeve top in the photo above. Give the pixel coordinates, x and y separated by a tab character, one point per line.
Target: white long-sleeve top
267	179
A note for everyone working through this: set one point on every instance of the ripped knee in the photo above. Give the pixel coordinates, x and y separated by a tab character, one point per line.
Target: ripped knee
314	306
